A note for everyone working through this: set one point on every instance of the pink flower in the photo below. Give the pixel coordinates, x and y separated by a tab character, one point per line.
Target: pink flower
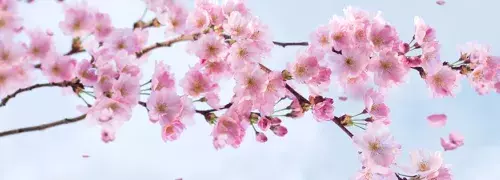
443	82
442	174
209	46
243	52
354	87
304	68
8	22
109	112
172	131
339	33
437	120
235	6
164	105
215	69
375	106
107	136
349	63
279	130
187	111
261	137
357	15
387	68
40	45
320	83
378	145
125	40
251	82
260	35
274	90
86	73
369	174
10	53
425	164
198	20
227	131
78	20
423	32
195	83
102	26
323	111
213	100
236	26
162	77
481	79
430	57
381	34
14	77
321	38
59	68
174	18
126	89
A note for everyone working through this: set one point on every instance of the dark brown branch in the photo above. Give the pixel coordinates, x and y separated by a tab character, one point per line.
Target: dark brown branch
204	112
337	120
285	44
53	84
43	126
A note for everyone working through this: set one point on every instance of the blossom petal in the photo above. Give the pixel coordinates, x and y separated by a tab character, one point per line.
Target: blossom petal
437	120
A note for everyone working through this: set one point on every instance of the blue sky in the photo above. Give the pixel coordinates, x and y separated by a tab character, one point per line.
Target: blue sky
311	150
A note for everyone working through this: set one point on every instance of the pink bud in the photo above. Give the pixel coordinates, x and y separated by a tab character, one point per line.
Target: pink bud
261	137
279	130
264	123
404	48
107	136
343	98
275	121
413	61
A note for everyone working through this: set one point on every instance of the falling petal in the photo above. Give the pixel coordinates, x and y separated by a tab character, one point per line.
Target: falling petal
343	98
440	2
437	120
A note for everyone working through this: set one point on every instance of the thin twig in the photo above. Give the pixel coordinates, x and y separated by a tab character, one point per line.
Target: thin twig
52	84
167	43
285	44
43	126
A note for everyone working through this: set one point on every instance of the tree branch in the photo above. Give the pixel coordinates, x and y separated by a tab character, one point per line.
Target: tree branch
43	126
167	43
52	84
285	44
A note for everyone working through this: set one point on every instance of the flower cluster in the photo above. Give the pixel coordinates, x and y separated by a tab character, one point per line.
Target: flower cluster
362	53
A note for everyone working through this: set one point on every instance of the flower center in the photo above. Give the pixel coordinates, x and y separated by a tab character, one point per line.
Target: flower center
242	52
197	87
385	65
212	50
323	40
349	61
169	130
2	23
338	36
55	69
374	146
5	56
200	22
377	40
422	166
161	108
300	69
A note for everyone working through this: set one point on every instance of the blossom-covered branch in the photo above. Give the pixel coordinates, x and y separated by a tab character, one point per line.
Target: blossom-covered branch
360	52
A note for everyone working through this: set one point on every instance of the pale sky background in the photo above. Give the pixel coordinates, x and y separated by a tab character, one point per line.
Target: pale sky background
310	151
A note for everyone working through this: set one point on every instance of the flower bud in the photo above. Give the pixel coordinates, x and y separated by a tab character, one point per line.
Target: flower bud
279	130
261	137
